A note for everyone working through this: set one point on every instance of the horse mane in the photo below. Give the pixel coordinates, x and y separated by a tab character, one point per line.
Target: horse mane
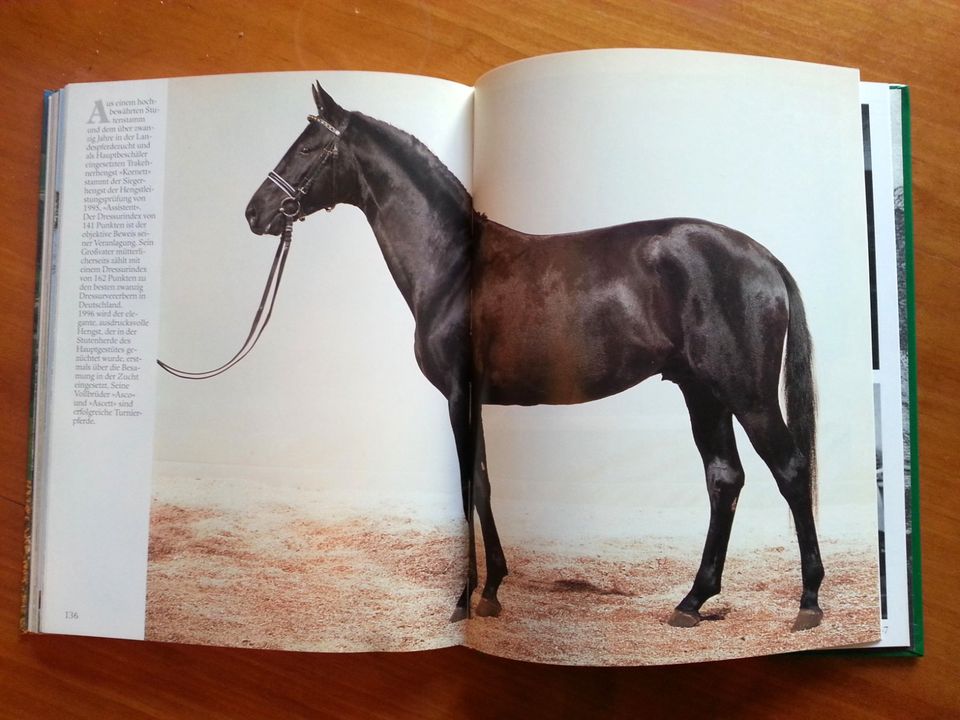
429	173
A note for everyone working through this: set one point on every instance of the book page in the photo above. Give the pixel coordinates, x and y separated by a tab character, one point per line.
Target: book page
94	401
883	171
597	484
309	497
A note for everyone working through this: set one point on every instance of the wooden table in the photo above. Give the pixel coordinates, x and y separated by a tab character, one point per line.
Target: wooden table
49	45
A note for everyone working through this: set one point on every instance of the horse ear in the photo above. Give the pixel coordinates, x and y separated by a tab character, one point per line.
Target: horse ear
327	107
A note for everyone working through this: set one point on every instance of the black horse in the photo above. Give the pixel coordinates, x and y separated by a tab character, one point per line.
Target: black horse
507	318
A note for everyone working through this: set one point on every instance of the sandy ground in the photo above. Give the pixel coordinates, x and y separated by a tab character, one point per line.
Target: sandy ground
276	577
584	609
271	579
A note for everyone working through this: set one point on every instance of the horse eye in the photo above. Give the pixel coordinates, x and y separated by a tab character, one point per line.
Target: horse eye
304	150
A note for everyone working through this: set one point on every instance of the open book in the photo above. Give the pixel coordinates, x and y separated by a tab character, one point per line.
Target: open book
434	416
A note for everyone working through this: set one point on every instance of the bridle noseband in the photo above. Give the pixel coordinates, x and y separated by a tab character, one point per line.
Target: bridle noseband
291	209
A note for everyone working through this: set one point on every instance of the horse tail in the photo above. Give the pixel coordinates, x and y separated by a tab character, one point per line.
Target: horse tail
799	389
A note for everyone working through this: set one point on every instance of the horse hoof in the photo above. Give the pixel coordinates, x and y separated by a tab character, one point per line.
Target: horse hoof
806	619
684	619
459	614
488	608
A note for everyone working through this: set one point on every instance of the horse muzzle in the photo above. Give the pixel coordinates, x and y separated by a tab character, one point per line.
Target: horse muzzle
268	223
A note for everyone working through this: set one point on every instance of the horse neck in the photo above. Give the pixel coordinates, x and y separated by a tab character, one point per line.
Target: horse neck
419	212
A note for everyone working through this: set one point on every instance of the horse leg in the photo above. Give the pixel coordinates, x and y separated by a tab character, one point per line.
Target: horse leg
773	442
460	421
475	487
462	609
712	427
488	606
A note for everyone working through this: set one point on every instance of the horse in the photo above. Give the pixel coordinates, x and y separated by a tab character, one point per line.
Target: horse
508	318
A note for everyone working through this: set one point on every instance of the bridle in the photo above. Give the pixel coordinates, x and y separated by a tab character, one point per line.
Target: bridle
290	205
291	210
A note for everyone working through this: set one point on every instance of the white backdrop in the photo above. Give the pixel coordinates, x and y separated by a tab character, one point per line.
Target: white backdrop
332	393
771	148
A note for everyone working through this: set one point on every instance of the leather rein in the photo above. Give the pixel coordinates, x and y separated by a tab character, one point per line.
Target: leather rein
291	209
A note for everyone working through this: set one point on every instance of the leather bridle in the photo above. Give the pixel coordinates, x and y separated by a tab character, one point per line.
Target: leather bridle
290	205
291	210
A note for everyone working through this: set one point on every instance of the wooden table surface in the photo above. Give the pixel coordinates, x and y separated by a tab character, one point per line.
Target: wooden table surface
49	45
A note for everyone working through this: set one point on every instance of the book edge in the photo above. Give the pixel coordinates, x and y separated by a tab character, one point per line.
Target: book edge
30	494
916	584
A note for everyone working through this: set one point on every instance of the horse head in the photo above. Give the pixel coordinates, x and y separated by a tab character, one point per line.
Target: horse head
306	178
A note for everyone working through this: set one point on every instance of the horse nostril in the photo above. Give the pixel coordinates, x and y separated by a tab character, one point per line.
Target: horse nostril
251	215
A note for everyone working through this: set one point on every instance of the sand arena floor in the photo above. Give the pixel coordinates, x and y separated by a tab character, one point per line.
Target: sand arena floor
275	578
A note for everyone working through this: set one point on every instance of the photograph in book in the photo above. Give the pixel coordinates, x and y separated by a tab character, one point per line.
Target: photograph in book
690	217
663	224
309	497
